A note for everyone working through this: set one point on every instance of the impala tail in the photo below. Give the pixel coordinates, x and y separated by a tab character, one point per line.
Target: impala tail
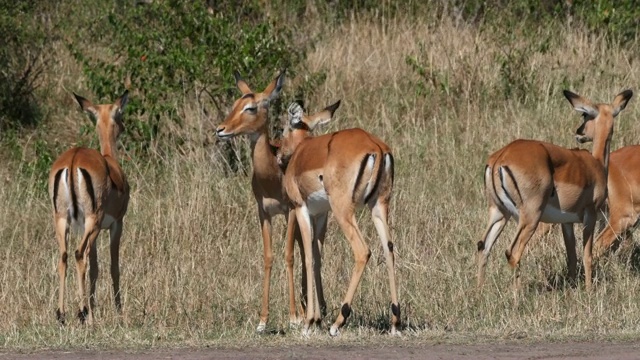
374	176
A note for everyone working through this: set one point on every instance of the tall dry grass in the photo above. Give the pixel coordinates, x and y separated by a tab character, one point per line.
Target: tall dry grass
191	255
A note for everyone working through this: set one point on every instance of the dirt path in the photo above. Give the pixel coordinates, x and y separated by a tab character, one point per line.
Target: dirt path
622	351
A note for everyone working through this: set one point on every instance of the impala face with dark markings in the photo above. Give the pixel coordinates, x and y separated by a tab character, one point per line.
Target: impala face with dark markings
340	171
89	192
535	181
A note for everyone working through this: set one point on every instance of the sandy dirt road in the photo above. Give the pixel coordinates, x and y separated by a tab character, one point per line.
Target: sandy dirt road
569	350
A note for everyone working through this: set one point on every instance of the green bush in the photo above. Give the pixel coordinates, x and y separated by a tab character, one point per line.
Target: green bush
171	50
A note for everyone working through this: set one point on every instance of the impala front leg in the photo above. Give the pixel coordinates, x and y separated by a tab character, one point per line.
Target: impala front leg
319	231
587	237
114	243
293	236
265	222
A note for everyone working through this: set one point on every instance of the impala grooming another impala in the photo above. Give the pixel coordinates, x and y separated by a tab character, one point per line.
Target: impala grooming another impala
341	172
89	192
249	116
535	181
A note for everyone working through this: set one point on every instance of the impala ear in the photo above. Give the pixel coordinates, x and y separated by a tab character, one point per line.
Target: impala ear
122	101
621	101
87	107
323	116
241	84
296	114
275	87
581	104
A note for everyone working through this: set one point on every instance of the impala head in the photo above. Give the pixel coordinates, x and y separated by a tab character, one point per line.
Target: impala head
596	117
298	127
107	117
249	113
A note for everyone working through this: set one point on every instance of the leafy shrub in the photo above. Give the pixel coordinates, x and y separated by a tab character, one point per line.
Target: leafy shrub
169	50
21	65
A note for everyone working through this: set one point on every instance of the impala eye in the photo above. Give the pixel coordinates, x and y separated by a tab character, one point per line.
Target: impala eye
251	109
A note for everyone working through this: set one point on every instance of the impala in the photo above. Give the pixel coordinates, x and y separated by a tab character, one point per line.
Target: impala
623	201
249	116
89	192
340	171
534	181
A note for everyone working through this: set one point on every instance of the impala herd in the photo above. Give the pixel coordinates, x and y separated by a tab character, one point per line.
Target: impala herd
305	177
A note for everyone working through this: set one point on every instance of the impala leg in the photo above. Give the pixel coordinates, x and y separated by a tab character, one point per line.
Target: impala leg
614	231
304	221
265	222
114	247
93	276
497	221
380	215
526	228
82	255
570	243
293	235
319	231
587	238
62	235
347	220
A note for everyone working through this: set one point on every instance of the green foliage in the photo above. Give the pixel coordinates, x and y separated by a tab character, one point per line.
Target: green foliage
21	64
170	50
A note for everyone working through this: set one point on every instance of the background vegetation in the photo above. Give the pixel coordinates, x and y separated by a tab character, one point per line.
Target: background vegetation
445	83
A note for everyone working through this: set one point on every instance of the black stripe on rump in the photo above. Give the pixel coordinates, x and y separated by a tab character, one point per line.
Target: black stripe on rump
56	183
376	184
363	164
87	180
392	167
72	191
502	180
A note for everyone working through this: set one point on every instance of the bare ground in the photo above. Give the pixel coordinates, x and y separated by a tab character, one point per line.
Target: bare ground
569	350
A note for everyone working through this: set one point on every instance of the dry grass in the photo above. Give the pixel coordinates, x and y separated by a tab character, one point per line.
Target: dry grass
192	253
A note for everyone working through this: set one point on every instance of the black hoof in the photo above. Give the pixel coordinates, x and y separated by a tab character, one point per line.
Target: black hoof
82	314
60	316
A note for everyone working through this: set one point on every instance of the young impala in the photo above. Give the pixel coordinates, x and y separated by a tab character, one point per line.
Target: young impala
340	171
89	192
535	181
249	116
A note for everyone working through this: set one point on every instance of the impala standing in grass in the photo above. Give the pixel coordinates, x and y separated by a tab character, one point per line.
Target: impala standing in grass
249	116
534	181
340	171
89	192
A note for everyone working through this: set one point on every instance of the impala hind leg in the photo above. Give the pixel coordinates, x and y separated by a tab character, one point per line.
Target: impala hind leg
526	228
304	222
293	236
62	236
82	255
347	220
319	231
115	233
380	215
497	221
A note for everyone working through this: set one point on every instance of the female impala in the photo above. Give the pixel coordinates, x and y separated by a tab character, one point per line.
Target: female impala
623	199
249	116
89	192
535	181
340	172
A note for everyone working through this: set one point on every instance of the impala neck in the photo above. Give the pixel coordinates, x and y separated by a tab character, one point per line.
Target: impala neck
601	147
108	146
260	147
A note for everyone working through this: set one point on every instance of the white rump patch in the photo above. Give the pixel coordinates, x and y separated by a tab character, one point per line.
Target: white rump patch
503	196
370	183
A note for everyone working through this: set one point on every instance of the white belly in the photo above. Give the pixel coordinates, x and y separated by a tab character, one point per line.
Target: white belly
554	215
318	202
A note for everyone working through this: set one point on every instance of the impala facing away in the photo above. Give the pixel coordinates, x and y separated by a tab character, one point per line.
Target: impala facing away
249	116
339	171
89	192
535	181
